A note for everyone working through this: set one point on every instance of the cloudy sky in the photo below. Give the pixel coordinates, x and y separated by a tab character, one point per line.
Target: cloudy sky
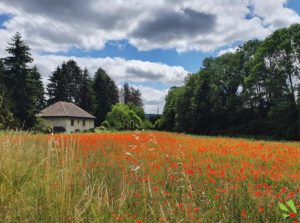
150	44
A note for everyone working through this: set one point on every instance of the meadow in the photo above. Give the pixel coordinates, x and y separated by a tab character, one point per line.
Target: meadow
146	177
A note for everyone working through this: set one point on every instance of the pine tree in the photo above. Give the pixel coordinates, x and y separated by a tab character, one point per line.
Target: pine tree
1	73
106	94
56	89
6	117
38	88
127	93
18	82
132	95
137	97
65	83
87	94
73	74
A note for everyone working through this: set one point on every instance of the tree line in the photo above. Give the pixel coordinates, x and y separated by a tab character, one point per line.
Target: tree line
23	96
253	91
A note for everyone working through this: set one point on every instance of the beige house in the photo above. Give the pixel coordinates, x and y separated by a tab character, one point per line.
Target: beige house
68	117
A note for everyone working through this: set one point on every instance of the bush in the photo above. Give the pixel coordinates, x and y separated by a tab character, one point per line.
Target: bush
137	109
123	118
105	124
148	125
158	124
42	126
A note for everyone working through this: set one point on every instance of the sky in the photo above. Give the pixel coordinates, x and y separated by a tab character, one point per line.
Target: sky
152	45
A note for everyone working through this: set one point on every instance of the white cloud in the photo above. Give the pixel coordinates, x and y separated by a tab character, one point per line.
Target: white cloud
121	70
60	25
228	50
201	25
154	99
274	13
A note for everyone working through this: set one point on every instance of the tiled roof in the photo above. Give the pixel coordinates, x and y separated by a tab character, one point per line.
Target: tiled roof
65	109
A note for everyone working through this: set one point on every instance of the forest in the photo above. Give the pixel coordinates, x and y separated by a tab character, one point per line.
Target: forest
251	92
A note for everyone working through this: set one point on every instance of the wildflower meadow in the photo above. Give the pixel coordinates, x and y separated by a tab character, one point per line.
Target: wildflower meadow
147	177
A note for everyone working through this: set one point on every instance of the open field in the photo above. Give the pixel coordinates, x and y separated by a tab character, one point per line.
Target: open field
145	177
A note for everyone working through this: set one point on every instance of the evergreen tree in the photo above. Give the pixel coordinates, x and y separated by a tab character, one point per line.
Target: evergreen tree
131	95
2	74
56	89
65	83
136	97
73	74
38	88
106	93
127	93
87	94
6	117
18	81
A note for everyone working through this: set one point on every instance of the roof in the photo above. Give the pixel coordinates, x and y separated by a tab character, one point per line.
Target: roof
65	109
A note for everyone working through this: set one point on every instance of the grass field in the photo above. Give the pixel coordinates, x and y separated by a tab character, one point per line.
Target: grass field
146	177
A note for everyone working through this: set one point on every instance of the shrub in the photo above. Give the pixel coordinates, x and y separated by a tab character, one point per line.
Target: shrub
42	126
148	125
123	118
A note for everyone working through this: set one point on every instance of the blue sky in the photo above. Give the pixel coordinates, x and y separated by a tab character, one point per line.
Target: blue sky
190	60
295	5
151	44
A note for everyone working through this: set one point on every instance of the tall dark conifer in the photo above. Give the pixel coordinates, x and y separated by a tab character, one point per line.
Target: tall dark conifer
38	88
56	89
131	95
73	74
65	83
6	117
87	94
18	80
106	94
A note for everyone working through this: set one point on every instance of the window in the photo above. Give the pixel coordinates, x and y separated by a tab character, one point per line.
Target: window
78	121
72	122
83	123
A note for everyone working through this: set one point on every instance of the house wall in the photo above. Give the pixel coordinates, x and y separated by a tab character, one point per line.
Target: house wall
57	122
66	123
78	124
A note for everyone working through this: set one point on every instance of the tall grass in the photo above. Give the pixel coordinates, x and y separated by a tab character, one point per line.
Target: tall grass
43	182
51	179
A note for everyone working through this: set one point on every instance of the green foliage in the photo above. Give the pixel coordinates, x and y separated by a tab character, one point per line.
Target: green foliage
22	84
131	95
42	126
6	116
66	83
158	124
147	124
38	91
167	120
105	124
137	109
253	91
123	118
87	99
106	94
56	87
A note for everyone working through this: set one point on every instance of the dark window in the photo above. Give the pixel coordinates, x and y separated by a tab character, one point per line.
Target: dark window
83	122
58	129
78	121
72	122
